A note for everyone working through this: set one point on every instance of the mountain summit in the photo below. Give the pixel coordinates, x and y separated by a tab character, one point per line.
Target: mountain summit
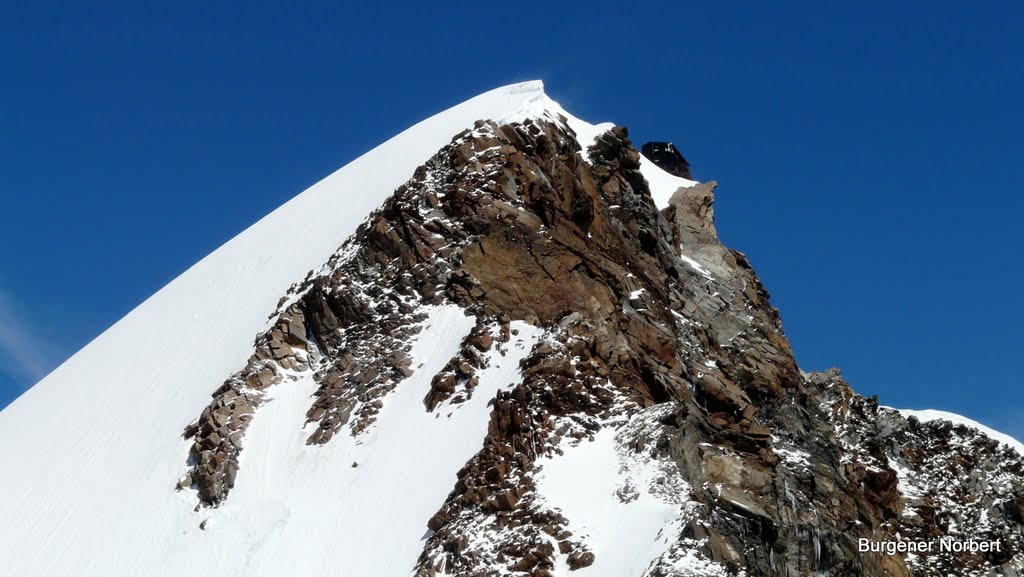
503	343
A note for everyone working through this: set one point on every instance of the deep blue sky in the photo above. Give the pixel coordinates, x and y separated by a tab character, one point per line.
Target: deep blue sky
869	156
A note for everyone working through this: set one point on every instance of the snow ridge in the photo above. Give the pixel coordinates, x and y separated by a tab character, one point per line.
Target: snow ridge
928	415
110	417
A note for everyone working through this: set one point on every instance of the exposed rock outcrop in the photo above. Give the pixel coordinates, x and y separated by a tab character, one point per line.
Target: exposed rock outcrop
653	329
692	209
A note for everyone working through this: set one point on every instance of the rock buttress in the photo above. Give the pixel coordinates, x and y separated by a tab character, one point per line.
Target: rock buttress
652	327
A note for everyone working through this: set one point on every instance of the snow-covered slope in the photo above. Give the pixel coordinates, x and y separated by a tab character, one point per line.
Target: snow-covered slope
358	506
927	415
662	184
93	449
506	361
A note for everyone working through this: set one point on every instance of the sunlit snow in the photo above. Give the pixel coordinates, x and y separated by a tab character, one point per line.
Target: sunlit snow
97	444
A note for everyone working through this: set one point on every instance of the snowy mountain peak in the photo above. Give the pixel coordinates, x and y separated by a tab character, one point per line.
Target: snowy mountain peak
502	343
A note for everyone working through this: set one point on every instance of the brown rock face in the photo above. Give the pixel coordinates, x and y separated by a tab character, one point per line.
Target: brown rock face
651	325
692	209
929	481
217	434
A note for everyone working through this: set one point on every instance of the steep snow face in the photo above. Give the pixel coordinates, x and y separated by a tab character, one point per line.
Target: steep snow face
663	185
608	503
357	505
97	444
628	506
927	415
605	506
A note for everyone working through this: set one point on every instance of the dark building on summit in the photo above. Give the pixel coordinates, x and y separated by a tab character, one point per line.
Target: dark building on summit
665	155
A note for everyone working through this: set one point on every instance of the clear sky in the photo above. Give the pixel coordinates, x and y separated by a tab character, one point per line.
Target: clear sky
869	156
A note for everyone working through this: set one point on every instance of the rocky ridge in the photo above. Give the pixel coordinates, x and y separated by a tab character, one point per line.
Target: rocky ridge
653	330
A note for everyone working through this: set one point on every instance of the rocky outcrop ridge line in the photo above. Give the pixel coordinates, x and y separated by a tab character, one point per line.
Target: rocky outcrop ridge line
654	328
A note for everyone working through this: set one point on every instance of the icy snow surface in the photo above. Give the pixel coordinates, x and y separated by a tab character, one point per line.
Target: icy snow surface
93	451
